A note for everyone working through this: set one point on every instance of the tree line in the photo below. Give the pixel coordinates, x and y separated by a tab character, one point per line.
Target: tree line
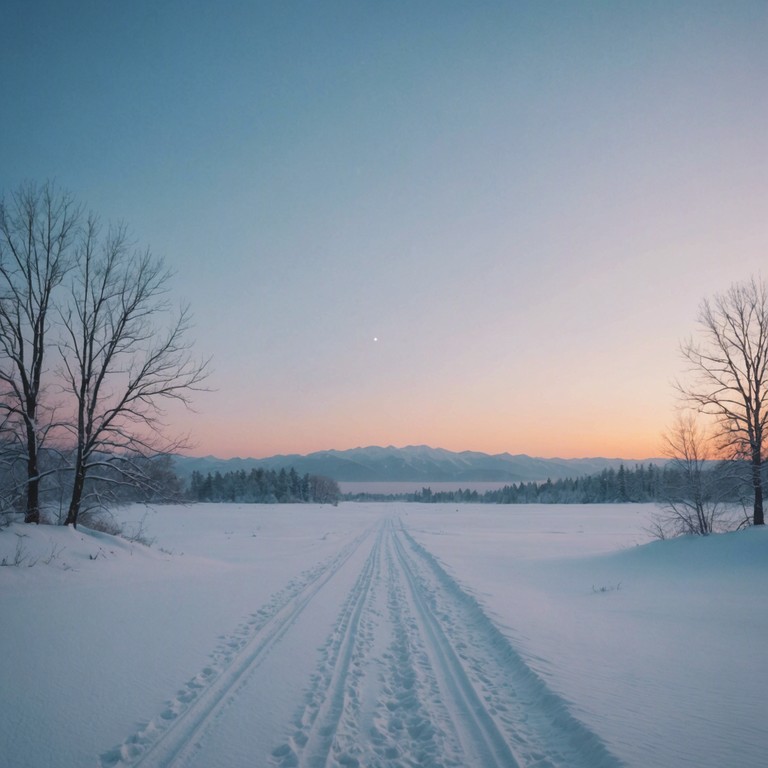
641	483
263	486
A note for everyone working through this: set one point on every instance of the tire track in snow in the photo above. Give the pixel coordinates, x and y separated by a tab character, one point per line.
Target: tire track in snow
409	724
366	705
334	694
505	714
169	738
481	739
416	674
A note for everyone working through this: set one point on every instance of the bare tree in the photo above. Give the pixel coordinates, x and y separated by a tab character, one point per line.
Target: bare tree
120	362
38	228
693	499
730	375
324	490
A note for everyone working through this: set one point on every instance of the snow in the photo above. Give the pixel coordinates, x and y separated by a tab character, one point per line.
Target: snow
382	635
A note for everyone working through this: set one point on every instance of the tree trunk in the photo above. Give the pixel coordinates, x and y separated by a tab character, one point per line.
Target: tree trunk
77	497
32	512
757	483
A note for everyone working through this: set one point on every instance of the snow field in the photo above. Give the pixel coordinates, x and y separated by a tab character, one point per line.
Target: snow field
652	643
383	635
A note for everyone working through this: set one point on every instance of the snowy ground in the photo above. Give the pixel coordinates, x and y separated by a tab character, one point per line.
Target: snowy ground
383	635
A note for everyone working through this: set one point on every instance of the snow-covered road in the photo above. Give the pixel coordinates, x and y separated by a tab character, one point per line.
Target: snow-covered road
411	672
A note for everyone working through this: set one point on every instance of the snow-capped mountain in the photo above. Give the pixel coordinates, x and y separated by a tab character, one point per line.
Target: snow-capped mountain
414	463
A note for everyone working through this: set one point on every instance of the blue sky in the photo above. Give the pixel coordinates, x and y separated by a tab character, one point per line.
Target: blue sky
524	203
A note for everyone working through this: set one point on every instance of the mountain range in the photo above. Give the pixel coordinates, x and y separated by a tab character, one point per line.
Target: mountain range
413	463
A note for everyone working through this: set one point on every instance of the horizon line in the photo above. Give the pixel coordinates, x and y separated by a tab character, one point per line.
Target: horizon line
419	445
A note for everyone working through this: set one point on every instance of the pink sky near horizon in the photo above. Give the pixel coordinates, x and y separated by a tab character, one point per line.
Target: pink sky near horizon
591	432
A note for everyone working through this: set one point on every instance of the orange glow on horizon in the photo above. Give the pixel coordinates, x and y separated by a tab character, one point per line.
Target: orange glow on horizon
454	419
568	445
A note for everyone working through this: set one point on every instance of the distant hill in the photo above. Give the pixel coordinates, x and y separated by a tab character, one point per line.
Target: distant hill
414	463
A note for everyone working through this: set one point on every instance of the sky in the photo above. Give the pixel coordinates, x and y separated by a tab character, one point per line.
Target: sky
472	225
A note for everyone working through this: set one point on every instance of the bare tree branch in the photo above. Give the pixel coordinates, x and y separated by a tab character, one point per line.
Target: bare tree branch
124	353
694	496
729	376
38	229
